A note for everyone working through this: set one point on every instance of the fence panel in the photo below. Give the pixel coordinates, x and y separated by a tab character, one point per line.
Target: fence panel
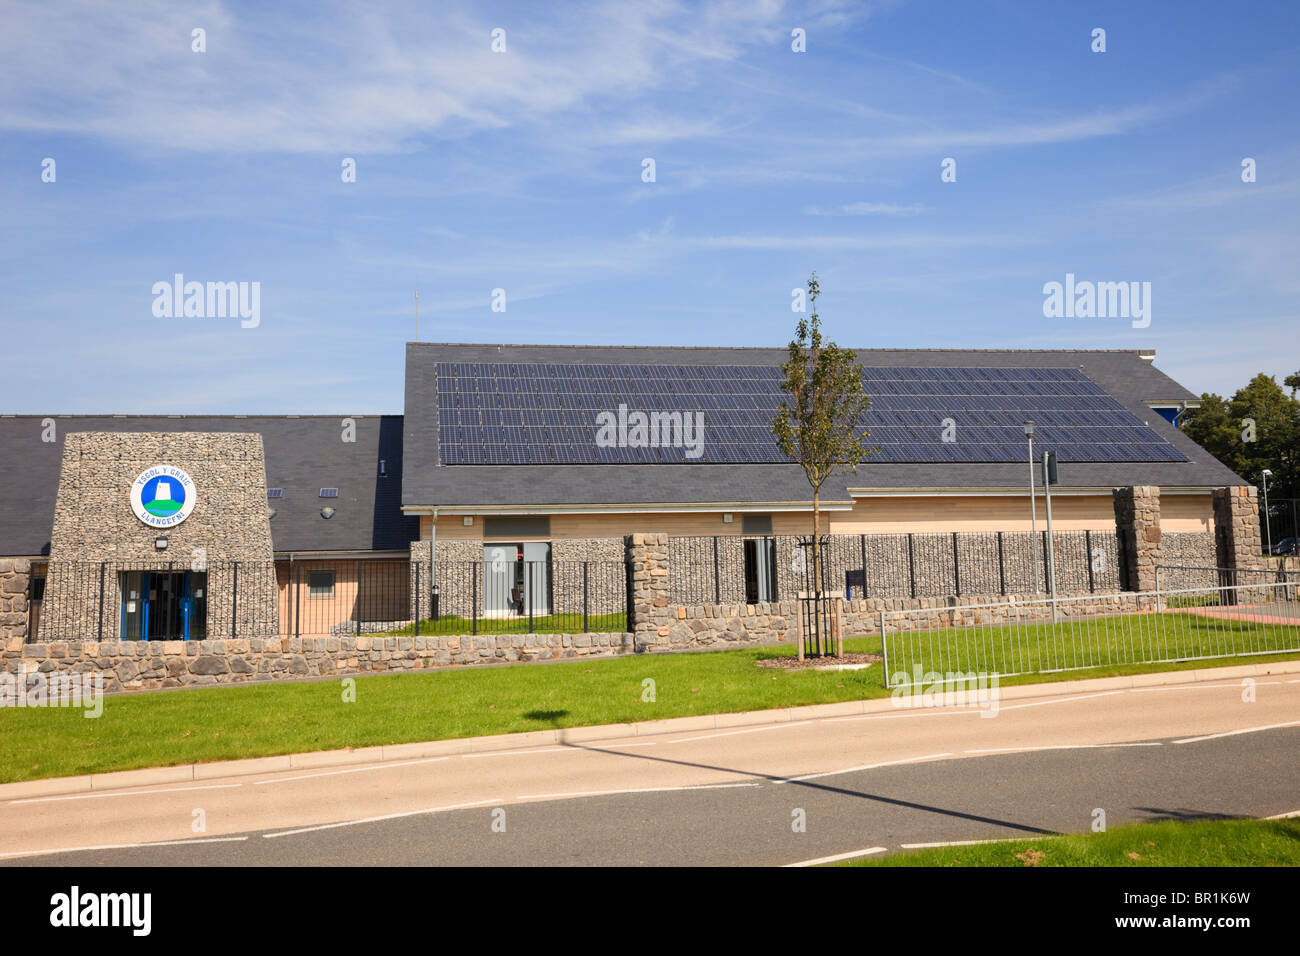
155	600
481	597
935	645
720	569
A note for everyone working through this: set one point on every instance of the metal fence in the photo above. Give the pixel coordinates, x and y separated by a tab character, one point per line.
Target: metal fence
1174	577
735	569
1279	526
953	644
154	600
481	597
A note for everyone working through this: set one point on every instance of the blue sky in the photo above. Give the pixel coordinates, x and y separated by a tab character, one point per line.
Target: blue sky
522	171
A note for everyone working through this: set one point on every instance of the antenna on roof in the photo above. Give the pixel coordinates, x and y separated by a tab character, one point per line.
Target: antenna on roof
417	313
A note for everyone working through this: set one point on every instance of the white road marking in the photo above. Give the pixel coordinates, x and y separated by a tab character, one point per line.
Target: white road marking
596	745
869	766
1060	700
1236	686
732	733
1234	733
950	711
1007	750
122	846
915	711
514	753
1290	814
335	773
606	793
869	851
926	846
386	816
130	793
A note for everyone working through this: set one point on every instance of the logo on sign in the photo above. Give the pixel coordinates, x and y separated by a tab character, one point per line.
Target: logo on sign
163	496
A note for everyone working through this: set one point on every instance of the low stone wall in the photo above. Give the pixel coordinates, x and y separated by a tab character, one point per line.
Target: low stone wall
150	665
14	576
1184	556
738	625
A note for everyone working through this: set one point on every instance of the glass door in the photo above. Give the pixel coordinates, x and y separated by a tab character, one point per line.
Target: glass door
164	605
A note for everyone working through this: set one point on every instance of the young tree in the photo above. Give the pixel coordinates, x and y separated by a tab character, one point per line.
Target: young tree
821	425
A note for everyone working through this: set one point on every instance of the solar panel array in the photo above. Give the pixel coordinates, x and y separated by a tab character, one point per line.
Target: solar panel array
516	413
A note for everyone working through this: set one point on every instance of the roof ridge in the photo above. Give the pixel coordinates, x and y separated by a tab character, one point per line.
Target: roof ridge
760	348
231	415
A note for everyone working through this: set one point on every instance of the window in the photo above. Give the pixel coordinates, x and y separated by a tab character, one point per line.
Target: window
760	570
517	526
757	524
320	584
329	492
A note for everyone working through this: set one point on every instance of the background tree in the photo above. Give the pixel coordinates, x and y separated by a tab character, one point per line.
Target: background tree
820	425
1223	428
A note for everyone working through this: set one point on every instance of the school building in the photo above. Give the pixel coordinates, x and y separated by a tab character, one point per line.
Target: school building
513	478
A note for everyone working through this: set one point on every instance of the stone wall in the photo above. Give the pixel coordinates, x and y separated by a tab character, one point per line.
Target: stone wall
899	565
151	665
454	575
94	523
1137	520
740	625
1236	528
15	577
605	589
459	574
421	588
1183	554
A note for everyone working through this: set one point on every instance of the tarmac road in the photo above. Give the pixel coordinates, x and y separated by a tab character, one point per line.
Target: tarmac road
719	797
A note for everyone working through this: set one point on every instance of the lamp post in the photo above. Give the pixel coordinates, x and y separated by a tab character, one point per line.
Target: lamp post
1049	476
1268	531
1033	509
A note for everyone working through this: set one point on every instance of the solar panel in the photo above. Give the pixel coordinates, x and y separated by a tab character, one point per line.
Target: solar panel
517	413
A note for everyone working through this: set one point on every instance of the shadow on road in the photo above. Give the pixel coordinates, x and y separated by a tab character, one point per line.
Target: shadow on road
825	788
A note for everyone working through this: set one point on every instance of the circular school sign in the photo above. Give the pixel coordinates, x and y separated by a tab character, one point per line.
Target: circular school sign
163	496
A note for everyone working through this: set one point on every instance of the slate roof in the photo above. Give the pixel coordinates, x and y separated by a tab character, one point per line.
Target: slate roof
303	455
1125	375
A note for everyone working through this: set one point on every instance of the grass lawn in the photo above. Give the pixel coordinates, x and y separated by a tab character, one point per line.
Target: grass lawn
1168	843
542	624
1037	646
230	722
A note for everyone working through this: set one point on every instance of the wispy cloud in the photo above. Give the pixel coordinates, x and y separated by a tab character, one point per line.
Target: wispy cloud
867	209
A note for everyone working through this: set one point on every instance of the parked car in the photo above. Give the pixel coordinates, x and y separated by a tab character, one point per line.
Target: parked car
1286	546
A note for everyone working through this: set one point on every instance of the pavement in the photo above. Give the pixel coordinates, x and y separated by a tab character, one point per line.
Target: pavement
814	784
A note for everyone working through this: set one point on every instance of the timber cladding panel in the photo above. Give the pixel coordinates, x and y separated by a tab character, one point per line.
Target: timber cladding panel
616	525
1010	512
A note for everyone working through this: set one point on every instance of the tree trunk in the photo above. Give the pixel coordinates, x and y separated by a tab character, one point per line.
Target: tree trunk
817	573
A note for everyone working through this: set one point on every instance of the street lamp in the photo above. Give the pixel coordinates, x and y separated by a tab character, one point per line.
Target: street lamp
1033	508
1268	531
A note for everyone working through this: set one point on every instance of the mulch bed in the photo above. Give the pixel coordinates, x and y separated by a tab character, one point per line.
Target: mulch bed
794	664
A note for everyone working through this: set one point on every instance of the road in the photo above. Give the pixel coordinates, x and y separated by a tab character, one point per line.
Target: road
720	797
